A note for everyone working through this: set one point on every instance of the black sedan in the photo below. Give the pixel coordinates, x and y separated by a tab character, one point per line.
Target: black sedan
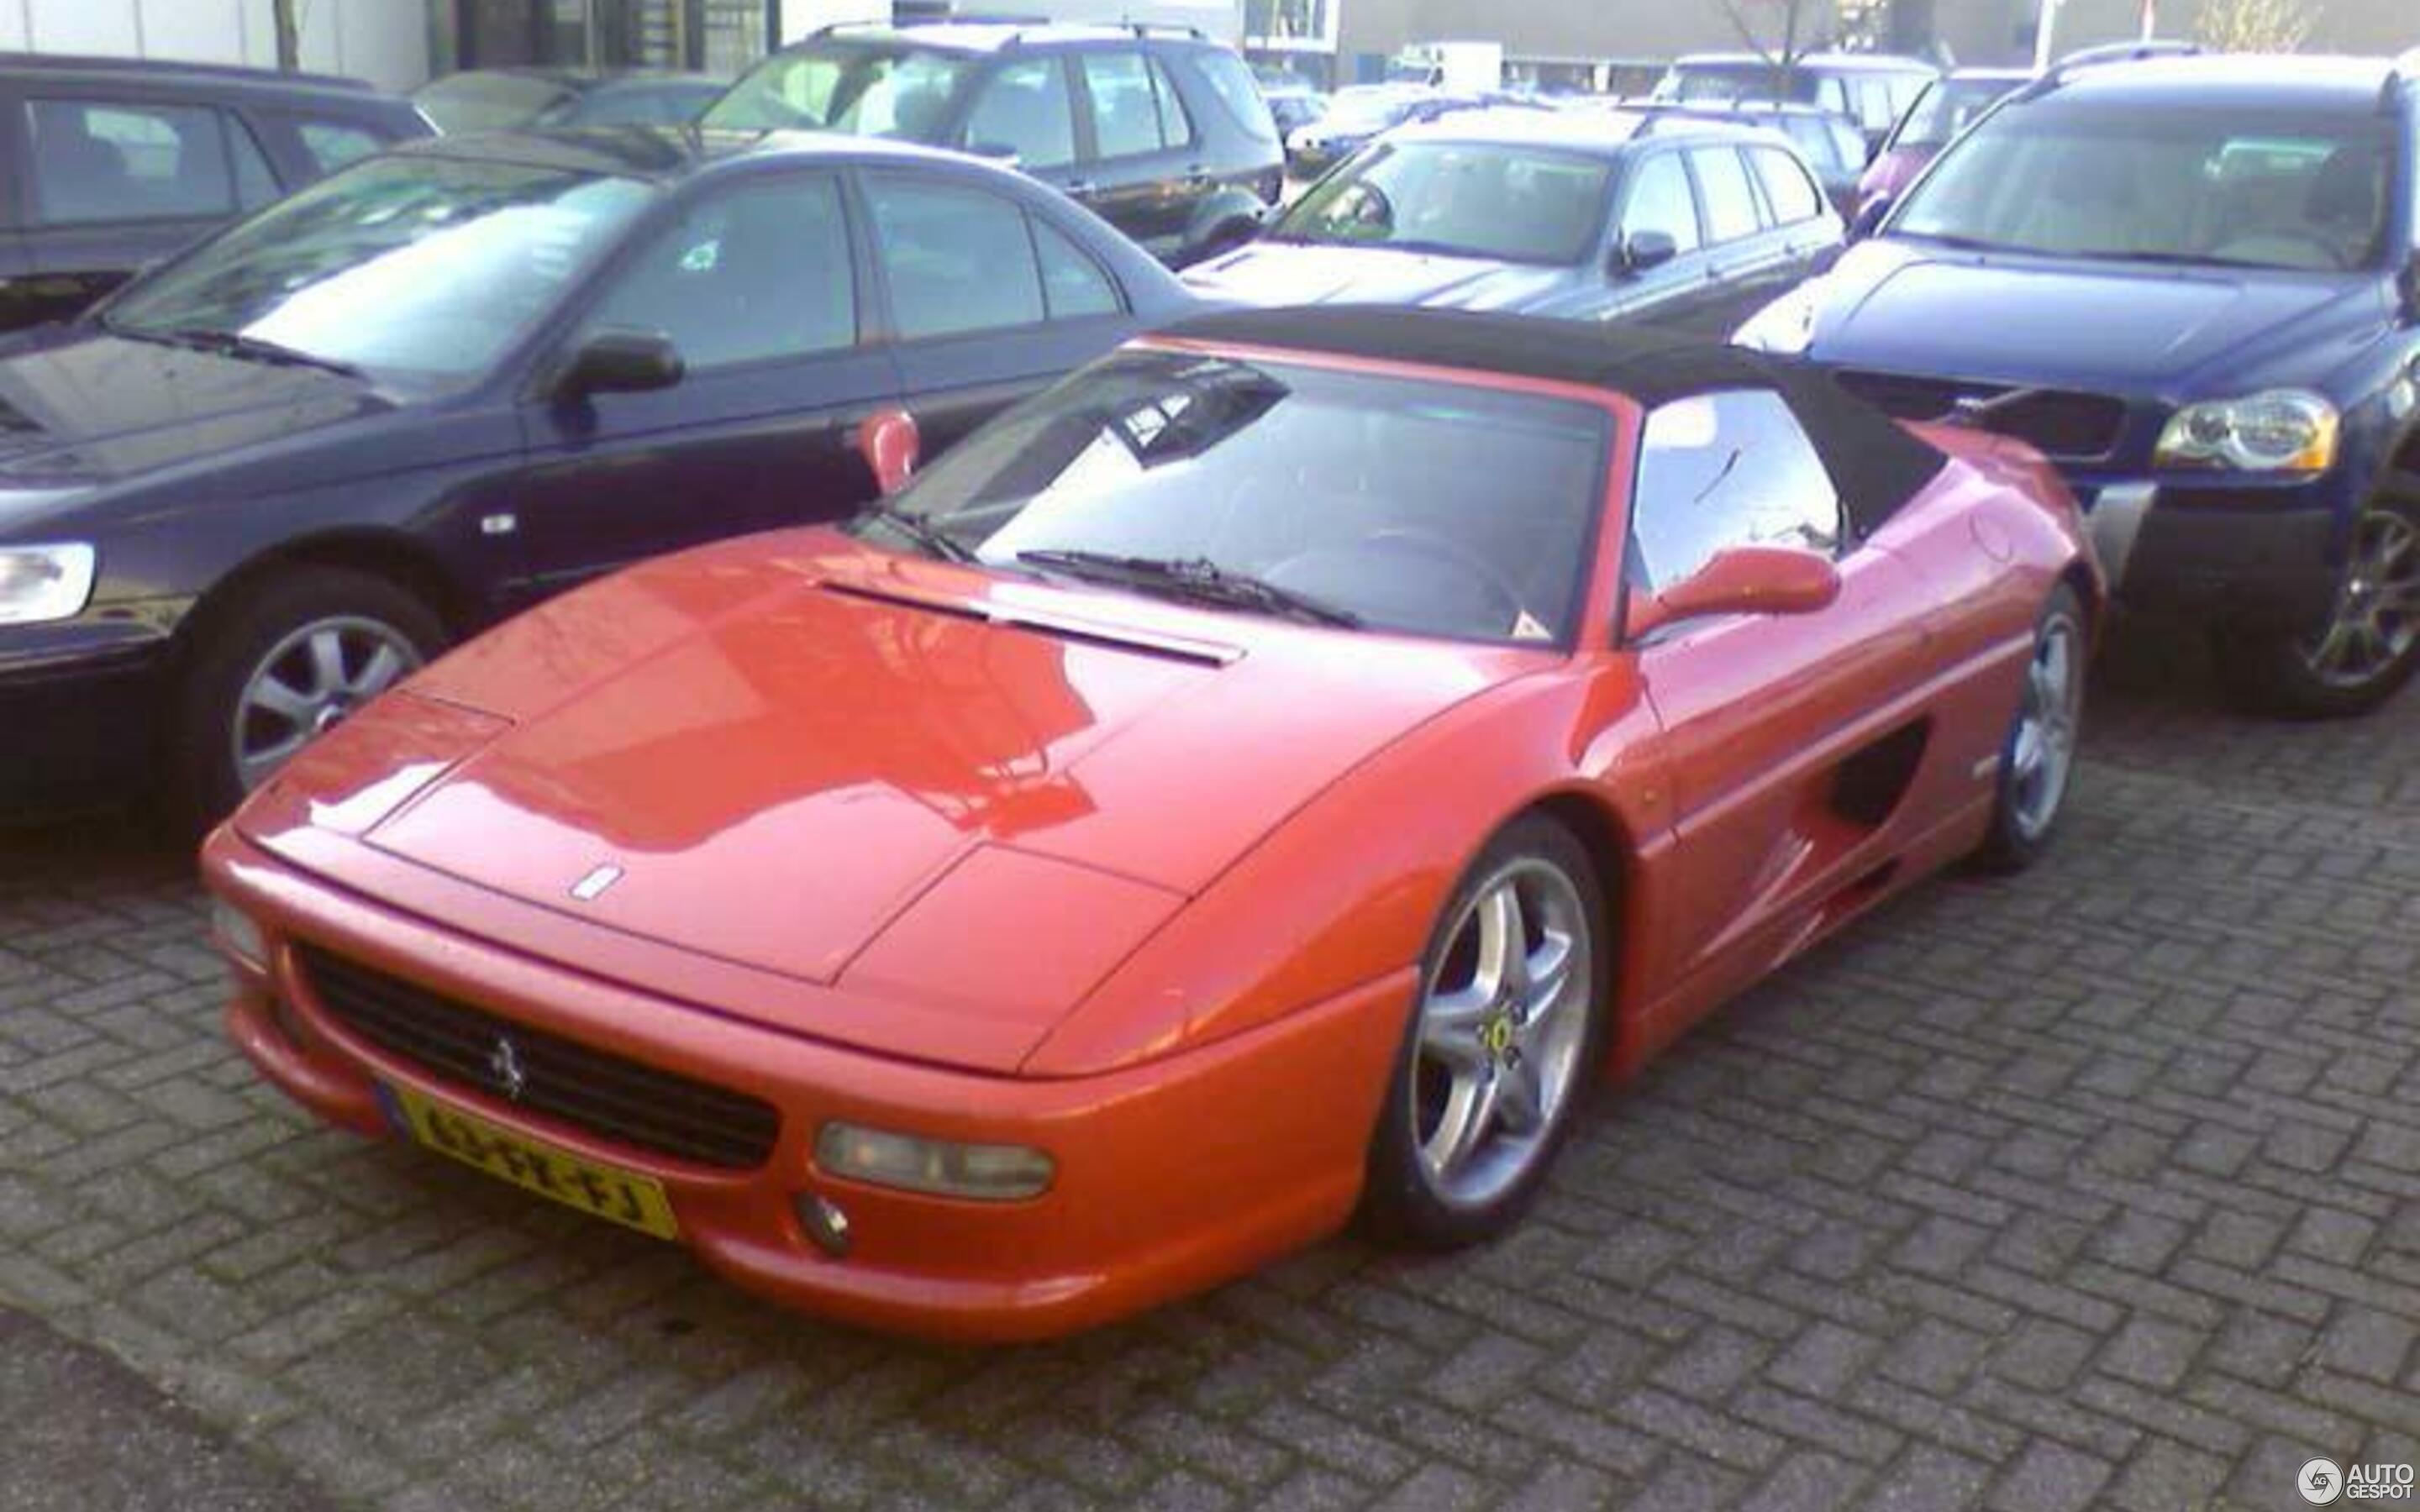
267	480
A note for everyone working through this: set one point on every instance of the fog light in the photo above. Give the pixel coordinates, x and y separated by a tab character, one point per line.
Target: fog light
988	1173
825	1224
238	934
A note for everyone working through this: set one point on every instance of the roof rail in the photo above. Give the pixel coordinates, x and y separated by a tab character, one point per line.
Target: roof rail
1167	28
2093	57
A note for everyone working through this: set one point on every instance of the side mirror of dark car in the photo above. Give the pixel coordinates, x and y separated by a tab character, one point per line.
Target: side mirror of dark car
887	439
621	361
1643	250
1870	217
1745	580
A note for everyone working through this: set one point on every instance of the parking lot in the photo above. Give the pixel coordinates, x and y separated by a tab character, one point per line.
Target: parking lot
2096	1188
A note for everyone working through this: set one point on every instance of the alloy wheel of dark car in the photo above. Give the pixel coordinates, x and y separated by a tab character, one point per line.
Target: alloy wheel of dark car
1508	1023
2369	646
299	655
2038	763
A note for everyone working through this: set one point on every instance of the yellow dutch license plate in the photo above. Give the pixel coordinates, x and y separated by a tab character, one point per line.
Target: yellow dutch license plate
625	1197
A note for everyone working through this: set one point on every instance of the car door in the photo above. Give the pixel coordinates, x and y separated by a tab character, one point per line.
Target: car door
1782	730
754	281
1748	260
1658	197
115	181
987	300
1136	174
1804	225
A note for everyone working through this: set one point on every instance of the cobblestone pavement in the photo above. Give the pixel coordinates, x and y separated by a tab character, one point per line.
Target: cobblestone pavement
2100	1188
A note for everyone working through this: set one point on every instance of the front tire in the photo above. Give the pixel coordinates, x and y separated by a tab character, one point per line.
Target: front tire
1508	1027
284	665
2368	648
2037	757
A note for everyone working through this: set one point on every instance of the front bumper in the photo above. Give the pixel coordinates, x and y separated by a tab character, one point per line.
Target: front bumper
1171	1176
81	708
2258	557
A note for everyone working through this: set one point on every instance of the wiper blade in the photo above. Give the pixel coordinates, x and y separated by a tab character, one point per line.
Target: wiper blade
1961	243
923	531
1195	578
253	349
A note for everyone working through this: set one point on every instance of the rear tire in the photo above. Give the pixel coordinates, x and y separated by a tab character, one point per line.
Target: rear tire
288	660
2037	757
1504	1038
2368	648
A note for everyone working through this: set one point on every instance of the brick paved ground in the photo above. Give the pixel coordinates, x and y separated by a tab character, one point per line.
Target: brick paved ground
2100	1188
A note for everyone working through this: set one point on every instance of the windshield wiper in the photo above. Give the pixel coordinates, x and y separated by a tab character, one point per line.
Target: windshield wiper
1198	578
250	348
1946	239
923	531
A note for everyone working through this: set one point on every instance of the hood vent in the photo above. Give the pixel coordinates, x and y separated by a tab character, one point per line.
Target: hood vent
1083	632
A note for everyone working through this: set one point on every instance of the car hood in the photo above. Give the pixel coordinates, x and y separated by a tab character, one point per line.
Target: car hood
1902	306
805	758
81	407
1279	273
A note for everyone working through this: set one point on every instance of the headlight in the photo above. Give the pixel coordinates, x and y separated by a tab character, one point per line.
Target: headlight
1785	327
988	1173
2284	430
44	582
239	934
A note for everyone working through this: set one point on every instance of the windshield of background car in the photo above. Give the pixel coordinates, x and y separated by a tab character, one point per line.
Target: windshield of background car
461	103
1948	107
2233	187
1514	203
1735	81
1354	113
419	271
1425	507
902	92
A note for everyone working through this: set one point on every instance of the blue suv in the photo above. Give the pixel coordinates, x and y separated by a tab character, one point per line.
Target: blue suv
2194	283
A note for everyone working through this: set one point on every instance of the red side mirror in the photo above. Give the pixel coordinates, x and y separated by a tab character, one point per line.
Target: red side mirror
1745	580
887	439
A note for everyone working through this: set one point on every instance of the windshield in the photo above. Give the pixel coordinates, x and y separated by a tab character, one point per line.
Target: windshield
1411	505
1948	107
1746	80
901	92
1471	200
419	271
2224	187
461	103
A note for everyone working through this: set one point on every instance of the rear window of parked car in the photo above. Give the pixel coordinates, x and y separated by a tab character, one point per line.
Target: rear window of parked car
1731	202
1793	195
109	160
964	260
1230	80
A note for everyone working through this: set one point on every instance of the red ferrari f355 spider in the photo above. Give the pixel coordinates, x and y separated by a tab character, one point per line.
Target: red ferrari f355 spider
1264	778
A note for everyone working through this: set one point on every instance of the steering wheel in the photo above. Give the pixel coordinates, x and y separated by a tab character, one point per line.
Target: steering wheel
2256	247
1417	542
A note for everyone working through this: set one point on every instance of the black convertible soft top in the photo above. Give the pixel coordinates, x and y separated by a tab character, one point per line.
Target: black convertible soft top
1877	464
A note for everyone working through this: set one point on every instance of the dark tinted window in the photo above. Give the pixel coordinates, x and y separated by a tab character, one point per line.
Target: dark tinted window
1024	110
1232	80
757	272
1718	471
1730	200
106	161
957	260
1430	507
1660	200
1793	195
1072	283
1125	113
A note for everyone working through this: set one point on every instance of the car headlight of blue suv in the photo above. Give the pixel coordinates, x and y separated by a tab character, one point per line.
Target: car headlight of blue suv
41	583
2284	430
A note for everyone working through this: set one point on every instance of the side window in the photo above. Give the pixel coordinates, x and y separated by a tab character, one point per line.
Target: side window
1833	95
1025	110
96	161
1125	113
1232	79
757	272
331	144
1730	200
1073	285
1660	200
1793	195
1175	131
957	260
1718	471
